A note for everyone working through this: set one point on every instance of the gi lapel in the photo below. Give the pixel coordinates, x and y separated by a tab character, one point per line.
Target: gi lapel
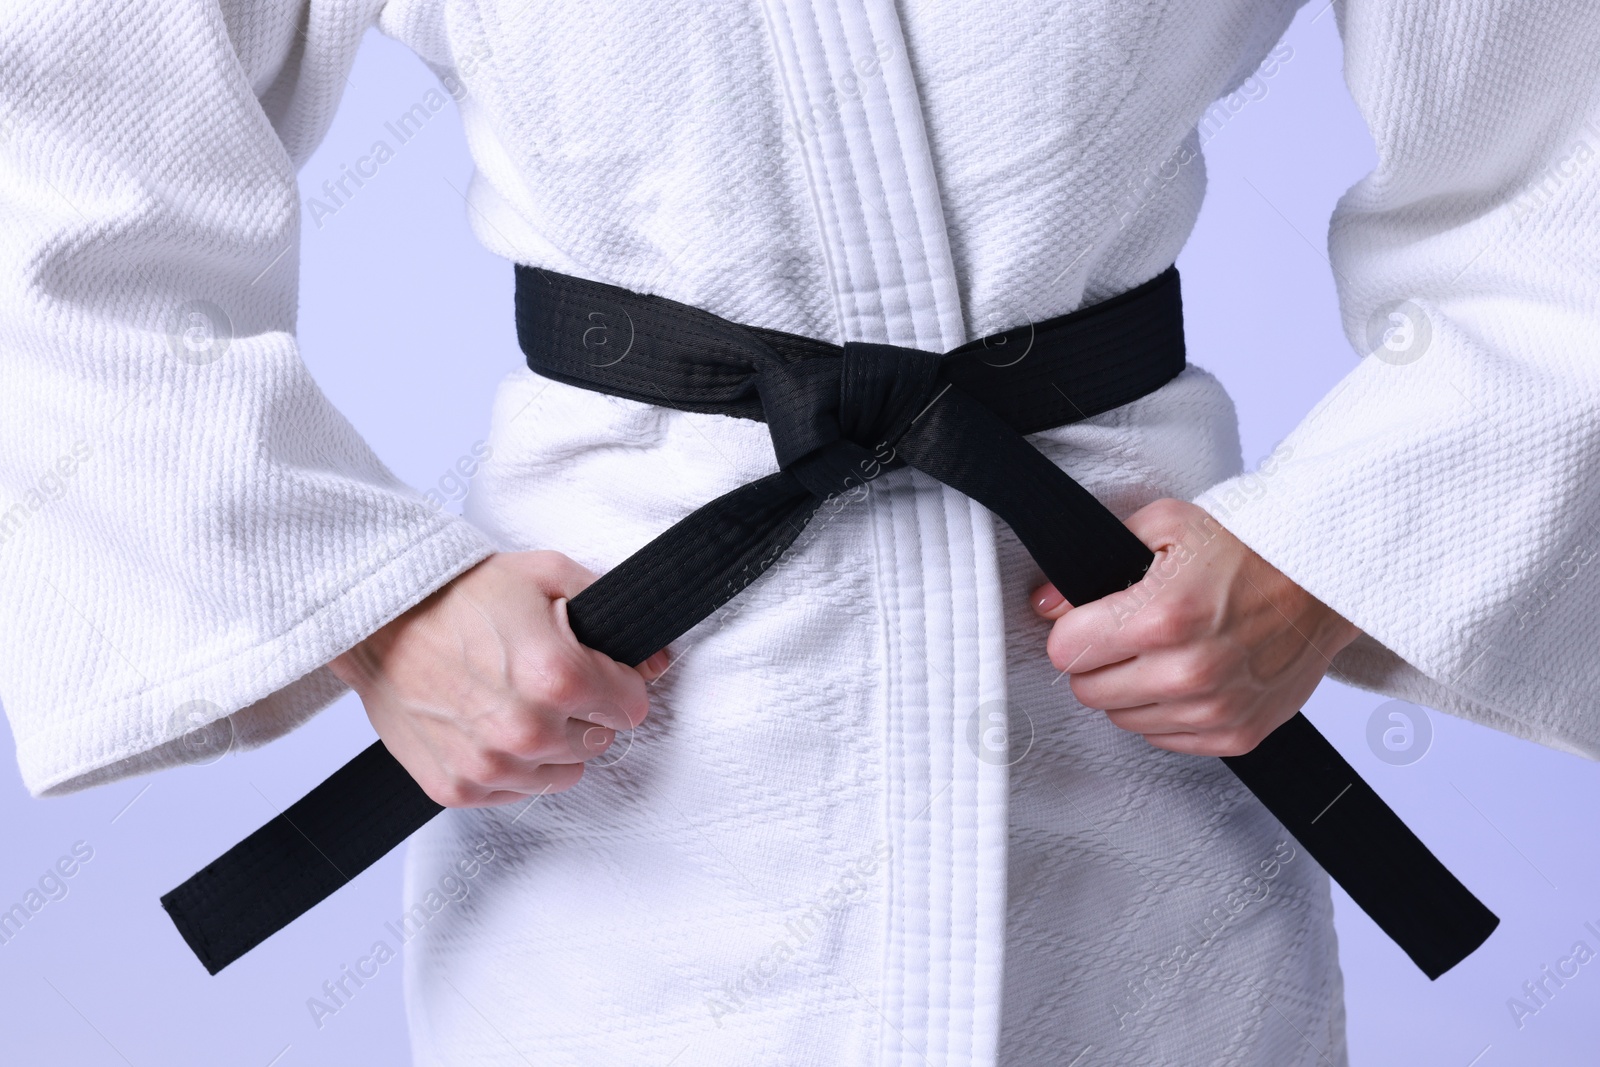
856	118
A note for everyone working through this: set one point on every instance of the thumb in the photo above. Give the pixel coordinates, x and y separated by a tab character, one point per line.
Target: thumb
1161	525
1049	603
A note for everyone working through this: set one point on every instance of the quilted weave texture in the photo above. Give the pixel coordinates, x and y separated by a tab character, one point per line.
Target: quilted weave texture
185	517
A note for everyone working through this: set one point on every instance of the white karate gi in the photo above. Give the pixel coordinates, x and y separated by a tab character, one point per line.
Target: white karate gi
803	857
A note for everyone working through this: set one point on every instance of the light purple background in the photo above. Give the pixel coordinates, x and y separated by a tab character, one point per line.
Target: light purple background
406	323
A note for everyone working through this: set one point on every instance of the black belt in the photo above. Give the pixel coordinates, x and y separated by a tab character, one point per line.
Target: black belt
839	416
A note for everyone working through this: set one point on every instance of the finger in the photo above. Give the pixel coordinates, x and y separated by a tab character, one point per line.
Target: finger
1113	687
1187	744
1155	523
574	741
498	798
1153	719
1049	603
1164	676
655	666
615	694
585	741
1225	743
1090	637
1167	522
531	780
1160	525
567	578
1113	628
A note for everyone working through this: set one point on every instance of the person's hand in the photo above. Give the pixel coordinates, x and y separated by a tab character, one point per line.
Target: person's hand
483	693
1213	650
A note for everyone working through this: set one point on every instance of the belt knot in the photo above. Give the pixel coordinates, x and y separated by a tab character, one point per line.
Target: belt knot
835	422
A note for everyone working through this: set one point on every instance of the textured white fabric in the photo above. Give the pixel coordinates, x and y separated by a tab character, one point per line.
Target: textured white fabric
187	523
803	857
871	178
1446	495
882	234
774	865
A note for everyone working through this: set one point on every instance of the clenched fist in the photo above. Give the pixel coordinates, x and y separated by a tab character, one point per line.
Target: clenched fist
483	693
1213	650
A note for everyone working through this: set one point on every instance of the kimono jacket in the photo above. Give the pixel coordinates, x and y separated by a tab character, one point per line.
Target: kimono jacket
812	852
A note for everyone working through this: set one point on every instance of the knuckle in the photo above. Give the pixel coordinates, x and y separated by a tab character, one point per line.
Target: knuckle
1236	742
1194	674
561	683
1167	508
1189	613
1174	619
1083	690
547	561
564	572
635	707
1156	625
451	792
1208	716
1052	649
592	741
563	777
1062	646
1160	516
478	769
523	736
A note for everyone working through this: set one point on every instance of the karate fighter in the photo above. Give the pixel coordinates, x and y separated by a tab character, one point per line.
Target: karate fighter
778	841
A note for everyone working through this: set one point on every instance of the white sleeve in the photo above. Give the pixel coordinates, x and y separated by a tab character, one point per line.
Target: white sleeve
188	529
1445	496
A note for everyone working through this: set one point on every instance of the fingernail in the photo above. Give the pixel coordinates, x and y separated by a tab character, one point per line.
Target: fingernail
1046	599
657	663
